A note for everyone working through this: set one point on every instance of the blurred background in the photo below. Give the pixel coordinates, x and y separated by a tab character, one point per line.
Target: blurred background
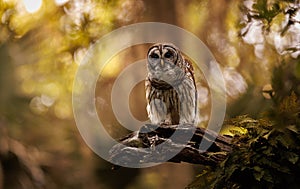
42	42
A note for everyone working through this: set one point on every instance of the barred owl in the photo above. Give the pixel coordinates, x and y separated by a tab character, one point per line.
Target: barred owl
170	86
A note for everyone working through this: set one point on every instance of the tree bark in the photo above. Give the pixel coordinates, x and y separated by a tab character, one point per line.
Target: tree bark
146	142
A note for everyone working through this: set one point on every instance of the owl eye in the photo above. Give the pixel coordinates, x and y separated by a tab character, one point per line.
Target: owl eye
168	54
154	56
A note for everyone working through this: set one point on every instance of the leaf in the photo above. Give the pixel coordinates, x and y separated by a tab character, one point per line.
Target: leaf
268	177
258	175
238	131
266	135
230	170
293	128
266	10
268	151
203	180
285	141
292	157
289	104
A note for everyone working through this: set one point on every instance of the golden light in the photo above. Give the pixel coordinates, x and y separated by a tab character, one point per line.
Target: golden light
61	2
32	6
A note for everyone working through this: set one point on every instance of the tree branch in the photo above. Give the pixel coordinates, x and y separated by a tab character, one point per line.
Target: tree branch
146	142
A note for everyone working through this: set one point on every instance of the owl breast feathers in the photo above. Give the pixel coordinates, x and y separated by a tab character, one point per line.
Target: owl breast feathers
170	86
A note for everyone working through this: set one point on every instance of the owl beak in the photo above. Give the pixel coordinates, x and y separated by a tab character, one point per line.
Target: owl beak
162	63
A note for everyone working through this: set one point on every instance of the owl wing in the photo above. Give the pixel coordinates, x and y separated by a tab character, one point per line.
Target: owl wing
189	70
148	88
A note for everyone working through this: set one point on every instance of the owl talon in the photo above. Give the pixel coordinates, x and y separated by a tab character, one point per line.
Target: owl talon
165	122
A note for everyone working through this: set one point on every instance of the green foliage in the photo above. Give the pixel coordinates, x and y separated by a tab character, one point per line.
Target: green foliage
265	11
276	19
266	155
268	10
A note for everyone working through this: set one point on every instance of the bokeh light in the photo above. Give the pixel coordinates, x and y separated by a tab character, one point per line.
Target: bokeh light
32	6
61	2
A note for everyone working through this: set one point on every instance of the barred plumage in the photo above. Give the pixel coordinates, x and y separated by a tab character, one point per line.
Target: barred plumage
170	86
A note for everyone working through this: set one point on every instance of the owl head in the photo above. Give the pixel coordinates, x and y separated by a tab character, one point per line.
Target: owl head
165	63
